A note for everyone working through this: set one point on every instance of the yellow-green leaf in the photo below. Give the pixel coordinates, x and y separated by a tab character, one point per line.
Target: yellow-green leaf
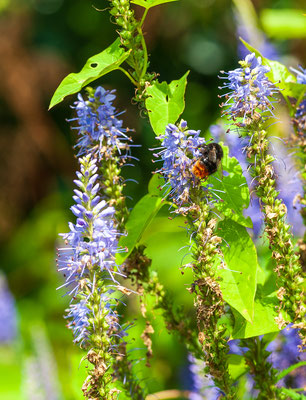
96	66
150	3
166	103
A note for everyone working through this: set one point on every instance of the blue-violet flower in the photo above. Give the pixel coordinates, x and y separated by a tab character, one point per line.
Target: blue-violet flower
99	129
179	148
249	91
91	247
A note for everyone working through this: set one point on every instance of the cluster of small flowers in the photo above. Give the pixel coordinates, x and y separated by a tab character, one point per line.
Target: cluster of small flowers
100	131
92	245
250	89
179	148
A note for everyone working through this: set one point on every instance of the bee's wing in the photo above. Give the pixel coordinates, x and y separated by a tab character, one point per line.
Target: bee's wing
212	155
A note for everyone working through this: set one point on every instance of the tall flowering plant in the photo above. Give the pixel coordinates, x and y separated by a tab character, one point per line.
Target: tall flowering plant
249	106
203	181
180	147
89	268
88	260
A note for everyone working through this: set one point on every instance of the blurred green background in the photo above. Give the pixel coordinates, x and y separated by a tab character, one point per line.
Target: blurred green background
40	42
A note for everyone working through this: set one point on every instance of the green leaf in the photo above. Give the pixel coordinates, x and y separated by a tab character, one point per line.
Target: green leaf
284	23
150	3
287	371
237	366
140	217
232	189
292	394
166	103
96	66
280	76
155	186
264	319
238	284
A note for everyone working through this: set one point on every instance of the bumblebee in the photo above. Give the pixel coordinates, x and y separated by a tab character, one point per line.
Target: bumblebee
209	160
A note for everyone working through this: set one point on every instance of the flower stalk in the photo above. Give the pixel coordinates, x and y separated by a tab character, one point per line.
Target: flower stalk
132	39
248	104
209	301
288	269
89	268
179	148
101	134
298	140
103	147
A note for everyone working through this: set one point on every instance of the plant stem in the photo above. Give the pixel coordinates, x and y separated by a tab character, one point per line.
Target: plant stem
135	83
145	55
209	301
144	15
288	269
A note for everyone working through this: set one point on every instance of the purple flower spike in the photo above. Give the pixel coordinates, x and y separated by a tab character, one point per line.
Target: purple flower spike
93	239
179	148
90	251
99	129
249	91
79	315
285	353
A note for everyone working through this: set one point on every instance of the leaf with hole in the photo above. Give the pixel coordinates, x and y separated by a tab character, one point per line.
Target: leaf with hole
96	66
166	103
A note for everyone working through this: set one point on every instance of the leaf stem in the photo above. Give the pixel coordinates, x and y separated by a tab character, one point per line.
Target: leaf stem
287	371
130	77
143	17
145	54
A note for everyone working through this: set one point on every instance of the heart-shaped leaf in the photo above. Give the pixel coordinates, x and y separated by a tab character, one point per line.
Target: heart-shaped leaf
166	103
